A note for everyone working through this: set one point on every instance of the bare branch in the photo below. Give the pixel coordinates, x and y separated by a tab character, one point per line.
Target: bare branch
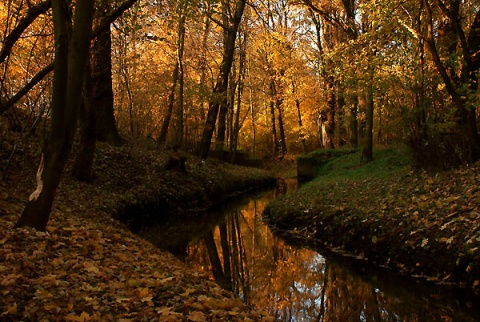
26	21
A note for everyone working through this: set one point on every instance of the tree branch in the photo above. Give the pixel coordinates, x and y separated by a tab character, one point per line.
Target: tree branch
26	21
45	71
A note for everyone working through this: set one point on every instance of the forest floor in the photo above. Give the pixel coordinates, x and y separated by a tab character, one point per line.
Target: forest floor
88	266
419	223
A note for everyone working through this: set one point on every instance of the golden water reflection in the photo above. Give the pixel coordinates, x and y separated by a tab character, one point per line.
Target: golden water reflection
296	284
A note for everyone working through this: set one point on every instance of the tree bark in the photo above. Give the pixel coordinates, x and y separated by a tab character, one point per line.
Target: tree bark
105	23
71	57
221	86
106	127
82	167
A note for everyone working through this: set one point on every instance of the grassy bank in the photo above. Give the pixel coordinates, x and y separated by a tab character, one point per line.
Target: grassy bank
415	222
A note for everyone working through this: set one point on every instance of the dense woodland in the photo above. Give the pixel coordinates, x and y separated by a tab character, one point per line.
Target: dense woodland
264	77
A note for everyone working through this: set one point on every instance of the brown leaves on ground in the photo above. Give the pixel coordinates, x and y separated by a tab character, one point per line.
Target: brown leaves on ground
419	223
87	272
89	267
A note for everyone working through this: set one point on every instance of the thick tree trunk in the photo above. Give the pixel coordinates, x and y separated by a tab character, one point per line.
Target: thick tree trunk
70	60
82	168
106	126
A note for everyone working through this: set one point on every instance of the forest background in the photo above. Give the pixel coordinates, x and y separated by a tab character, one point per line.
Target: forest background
264	77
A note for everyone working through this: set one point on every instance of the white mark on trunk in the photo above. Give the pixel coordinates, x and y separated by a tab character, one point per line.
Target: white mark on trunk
36	193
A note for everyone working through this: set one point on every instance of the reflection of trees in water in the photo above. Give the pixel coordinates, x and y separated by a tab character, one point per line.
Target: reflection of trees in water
298	284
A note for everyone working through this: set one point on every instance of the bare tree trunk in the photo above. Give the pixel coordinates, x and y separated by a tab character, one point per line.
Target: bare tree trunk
240	84
82	167
67	87
107	130
281	129
180	50
367	151
221	86
330	122
170	102
276	146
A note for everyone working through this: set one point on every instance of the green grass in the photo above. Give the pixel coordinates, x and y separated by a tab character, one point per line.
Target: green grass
386	162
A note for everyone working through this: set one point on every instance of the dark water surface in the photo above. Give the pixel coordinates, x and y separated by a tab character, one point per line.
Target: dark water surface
299	284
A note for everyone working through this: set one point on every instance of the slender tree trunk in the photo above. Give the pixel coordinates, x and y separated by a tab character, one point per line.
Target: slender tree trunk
367	152
67	86
170	103
221	85
281	129
354	123
301	134
276	146
179	113
330	122
240	84
203	58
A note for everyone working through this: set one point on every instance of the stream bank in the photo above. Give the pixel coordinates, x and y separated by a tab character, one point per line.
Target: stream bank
418	223
89	266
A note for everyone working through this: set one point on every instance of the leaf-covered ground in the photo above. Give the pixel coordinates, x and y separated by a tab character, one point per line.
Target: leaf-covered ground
90	267
417	223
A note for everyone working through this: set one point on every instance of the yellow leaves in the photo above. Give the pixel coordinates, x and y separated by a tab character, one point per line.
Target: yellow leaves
42	294
91	268
52	306
84	316
124	257
197	316
12	309
188	292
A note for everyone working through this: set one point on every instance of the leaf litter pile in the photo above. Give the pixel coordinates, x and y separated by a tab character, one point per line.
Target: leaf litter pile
90	267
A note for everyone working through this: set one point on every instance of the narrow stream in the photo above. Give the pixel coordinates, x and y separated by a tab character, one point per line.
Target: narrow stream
299	284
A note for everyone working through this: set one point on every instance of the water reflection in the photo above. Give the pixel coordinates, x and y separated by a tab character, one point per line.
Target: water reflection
298	284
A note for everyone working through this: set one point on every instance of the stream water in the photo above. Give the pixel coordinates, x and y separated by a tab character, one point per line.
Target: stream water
296	283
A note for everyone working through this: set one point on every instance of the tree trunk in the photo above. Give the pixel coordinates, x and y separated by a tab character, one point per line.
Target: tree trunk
240	84
179	113
221	85
367	151
281	129
469	144
354	123
70	60
107	130
330	122
170	103
82	168
276	146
